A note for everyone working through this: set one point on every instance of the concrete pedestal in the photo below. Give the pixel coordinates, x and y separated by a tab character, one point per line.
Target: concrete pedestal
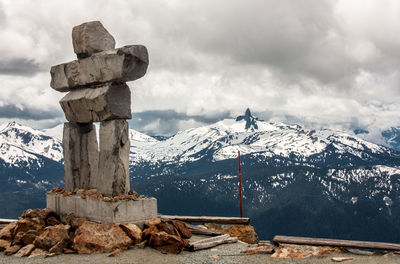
133	211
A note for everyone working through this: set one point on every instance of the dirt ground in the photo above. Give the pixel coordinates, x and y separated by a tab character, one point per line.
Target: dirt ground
221	254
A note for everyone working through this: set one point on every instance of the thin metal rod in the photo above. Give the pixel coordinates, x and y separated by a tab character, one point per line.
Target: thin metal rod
240	186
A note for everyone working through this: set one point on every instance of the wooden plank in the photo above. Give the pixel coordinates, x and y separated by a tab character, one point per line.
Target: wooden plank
208	219
335	243
6	221
212	242
202	231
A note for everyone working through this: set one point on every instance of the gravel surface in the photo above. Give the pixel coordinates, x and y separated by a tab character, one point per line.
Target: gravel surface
221	254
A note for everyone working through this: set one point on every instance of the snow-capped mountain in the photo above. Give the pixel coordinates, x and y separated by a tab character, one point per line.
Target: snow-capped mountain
392	137
227	137
20	145
246	134
286	169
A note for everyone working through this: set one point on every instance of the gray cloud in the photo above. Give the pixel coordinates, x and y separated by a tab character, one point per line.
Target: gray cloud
169	122
2	15
319	63
19	66
296	39
289	36
24	112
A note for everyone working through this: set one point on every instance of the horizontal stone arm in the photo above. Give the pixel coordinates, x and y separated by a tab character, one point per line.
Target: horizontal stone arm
120	65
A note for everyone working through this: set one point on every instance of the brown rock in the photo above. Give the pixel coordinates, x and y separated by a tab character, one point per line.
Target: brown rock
134	193
69	251
133	231
7	232
341	259
116	252
245	233
37	252
169	228
152	226
57	190
99	238
25	251
359	252
259	250
80	221
30	236
288	252
91	191
51	236
304	251
107	199
18	237
59	247
148	231
95	196
52	221
183	230
152	222
79	191
390	254
12	250
25	224
26	238
49	255
166	243
38	213
71	220
121	196
4	244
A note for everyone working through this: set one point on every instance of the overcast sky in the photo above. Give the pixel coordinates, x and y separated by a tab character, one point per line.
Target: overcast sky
316	63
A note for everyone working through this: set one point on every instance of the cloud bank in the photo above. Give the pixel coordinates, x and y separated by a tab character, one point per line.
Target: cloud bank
319	63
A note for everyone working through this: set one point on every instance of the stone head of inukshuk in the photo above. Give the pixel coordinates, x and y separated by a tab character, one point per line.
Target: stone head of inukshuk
97	92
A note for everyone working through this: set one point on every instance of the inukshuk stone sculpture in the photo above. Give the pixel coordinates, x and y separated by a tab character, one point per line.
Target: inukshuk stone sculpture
97	92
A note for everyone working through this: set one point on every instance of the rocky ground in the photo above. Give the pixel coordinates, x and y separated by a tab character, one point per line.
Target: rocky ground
40	236
228	253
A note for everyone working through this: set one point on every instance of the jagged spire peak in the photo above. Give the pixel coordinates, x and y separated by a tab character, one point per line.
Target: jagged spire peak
251	121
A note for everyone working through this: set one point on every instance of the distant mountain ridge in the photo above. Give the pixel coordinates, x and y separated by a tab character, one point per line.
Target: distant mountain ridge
286	170
392	137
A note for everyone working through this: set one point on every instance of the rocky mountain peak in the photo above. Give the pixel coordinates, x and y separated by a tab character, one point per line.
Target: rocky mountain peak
251	121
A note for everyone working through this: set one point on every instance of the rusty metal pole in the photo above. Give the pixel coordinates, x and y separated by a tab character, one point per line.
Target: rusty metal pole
240	186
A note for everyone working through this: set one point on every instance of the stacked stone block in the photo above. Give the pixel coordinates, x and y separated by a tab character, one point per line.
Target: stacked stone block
97	92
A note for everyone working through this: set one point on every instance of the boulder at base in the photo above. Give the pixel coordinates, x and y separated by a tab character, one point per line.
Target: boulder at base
100	238
133	231
7	231
52	236
167	243
25	251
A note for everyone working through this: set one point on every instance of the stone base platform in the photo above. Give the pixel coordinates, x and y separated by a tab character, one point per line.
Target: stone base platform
97	210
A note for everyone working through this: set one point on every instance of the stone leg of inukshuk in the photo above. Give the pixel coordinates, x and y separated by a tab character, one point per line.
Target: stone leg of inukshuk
97	92
81	156
114	157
